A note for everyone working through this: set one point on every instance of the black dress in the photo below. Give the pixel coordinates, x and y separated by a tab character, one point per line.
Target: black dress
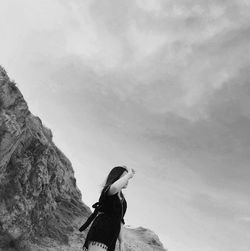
105	228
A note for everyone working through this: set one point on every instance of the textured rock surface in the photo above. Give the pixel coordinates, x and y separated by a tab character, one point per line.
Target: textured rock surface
41	207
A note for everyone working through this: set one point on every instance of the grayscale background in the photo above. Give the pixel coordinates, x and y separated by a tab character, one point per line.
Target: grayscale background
160	86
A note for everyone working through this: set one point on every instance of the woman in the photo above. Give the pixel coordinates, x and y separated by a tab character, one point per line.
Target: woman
107	226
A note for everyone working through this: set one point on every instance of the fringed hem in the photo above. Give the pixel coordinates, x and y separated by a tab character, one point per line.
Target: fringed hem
99	244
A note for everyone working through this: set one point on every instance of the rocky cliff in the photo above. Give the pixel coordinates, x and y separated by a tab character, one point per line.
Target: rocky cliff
41	207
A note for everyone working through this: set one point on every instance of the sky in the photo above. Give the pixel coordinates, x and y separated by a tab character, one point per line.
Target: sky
160	86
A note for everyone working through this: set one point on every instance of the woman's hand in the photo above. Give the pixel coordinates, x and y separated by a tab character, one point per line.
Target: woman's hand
131	171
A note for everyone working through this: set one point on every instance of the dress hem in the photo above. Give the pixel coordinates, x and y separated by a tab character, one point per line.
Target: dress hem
102	245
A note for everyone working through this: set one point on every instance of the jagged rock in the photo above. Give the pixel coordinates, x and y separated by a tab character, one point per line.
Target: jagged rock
41	207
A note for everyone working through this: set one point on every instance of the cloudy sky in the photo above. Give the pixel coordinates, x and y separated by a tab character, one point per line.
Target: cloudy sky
161	86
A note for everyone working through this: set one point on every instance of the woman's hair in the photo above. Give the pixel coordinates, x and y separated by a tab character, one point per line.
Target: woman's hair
113	176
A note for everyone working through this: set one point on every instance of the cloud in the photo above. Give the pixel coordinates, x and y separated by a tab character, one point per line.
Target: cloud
170	71
169	62
170	56
214	206
245	219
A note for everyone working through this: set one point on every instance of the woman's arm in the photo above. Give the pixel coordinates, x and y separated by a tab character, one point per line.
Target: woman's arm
121	234
119	184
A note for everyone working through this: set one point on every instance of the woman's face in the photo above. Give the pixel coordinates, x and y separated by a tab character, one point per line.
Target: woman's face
124	173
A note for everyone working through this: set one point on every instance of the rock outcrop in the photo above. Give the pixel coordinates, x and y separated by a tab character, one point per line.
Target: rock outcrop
41	207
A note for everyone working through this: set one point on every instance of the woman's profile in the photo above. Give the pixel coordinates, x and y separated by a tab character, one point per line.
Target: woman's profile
107	227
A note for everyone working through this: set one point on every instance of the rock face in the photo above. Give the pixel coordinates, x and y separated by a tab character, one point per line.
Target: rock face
41	207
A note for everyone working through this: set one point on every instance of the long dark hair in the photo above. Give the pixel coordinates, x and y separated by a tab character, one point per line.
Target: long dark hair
113	176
